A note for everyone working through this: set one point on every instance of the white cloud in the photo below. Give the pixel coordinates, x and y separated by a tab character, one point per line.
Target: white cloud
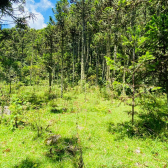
37	9
44	4
38	23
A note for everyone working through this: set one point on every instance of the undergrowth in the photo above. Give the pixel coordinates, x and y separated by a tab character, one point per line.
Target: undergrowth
91	129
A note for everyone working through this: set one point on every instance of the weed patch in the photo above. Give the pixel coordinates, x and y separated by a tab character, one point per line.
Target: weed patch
28	163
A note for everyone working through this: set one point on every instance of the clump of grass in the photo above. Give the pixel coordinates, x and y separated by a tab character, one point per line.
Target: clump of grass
27	163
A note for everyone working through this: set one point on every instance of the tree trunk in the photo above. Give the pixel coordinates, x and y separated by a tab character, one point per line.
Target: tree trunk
133	86
73	60
83	48
31	67
50	79
103	68
79	49
115	56
133	59
50	64
97	67
107	66
123	92
115	46
31	64
62	64
10	86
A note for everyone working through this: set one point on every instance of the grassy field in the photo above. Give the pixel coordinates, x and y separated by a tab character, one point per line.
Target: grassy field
95	132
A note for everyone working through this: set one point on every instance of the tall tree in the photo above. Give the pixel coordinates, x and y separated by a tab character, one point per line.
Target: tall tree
49	41
157	43
61	12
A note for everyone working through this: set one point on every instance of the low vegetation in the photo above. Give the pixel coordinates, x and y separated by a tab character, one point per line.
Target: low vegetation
83	129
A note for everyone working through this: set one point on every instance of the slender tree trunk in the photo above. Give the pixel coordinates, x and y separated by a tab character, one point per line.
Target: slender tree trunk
103	68
57	72
123	92
115	46
79	48
87	53
83	48
133	59
133	86
53	72
97	67
115	56
62	64
108	80
50	64
10	86
50	79
107	66
73	60
31	65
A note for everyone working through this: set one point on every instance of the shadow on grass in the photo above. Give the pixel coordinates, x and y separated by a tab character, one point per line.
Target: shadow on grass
58	110
129	112
65	148
151	122
27	163
152	125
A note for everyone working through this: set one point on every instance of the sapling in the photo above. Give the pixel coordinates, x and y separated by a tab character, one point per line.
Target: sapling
34	118
17	112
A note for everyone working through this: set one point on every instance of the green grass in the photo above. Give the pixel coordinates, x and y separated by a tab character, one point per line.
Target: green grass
101	127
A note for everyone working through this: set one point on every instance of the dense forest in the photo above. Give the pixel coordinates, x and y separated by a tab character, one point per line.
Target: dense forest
102	62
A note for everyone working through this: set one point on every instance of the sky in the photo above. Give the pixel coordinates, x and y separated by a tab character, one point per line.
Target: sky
42	10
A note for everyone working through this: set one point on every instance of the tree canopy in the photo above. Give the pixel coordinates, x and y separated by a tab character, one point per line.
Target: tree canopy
7	9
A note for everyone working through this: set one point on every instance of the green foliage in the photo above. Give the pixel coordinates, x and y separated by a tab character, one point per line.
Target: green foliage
146	57
17	111
106	93
118	87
